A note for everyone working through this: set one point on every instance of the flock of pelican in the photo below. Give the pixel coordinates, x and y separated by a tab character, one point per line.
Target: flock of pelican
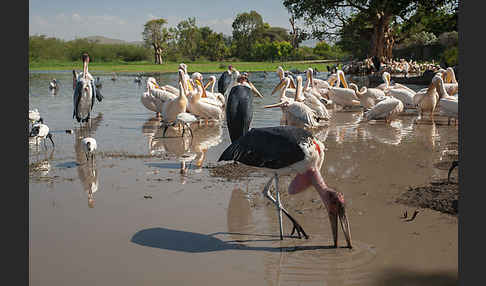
304	105
191	100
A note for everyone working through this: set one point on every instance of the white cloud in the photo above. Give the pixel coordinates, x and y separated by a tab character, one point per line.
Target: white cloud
70	26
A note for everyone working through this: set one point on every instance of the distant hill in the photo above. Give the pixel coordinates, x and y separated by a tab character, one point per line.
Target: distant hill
105	40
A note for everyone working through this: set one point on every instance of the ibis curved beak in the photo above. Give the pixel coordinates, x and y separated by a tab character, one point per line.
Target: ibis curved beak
255	90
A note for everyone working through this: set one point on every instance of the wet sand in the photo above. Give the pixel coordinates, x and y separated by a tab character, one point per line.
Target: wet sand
132	218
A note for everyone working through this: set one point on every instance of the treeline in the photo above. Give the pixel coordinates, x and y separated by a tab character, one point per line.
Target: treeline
42	48
251	40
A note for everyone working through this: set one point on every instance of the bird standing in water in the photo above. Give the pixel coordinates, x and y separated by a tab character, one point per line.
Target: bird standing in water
285	150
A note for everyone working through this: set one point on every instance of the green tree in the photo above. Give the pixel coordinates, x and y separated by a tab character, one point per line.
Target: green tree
328	17
188	36
157	36
247	29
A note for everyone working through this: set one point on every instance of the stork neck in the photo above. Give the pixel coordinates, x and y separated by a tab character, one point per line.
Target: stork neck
320	186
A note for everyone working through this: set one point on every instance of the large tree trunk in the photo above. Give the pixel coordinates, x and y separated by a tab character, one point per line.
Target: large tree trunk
381	24
157	54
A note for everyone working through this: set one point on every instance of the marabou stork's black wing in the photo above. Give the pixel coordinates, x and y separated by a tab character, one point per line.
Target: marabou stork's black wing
96	92
239	111
269	147
76	99
223	82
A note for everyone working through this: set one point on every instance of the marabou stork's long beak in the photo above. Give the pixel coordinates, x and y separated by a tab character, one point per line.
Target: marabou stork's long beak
333	219
85	67
280	85
255	90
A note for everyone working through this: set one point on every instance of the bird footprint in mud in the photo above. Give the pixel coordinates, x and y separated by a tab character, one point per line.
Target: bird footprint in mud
405	215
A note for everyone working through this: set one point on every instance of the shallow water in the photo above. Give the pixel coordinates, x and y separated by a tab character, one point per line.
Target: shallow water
132	218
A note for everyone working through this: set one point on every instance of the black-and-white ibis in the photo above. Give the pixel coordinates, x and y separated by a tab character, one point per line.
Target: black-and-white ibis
40	131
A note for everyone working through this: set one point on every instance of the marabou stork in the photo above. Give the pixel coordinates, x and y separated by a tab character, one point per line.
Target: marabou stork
287	150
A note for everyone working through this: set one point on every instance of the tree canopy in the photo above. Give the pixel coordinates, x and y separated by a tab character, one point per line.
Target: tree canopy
157	36
327	18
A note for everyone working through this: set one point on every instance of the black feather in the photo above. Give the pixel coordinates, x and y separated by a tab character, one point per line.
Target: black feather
269	147
223	82
239	111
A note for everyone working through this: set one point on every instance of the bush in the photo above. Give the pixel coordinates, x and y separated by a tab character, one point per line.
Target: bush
449	39
450	56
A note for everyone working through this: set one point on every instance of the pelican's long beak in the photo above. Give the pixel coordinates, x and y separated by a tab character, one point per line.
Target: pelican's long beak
280	85
343	80
448	77
198	82
207	84
255	90
292	83
275	105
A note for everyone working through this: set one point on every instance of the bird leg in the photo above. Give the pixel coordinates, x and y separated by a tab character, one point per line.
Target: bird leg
279	207
297	227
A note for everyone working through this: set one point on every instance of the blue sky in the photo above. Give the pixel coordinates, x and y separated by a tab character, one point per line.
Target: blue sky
124	20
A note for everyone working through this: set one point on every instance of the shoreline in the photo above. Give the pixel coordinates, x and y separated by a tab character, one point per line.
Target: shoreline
170	67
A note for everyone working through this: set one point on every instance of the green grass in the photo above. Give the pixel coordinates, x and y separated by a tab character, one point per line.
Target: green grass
172	67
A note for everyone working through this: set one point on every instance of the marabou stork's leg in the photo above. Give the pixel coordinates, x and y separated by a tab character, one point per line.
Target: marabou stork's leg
279	207
297	226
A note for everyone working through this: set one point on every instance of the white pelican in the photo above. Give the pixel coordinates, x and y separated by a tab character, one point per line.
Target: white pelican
209	95
367	96
217	95
318	87
387	109
450	83
427	100
281	75
173	106
40	131
204	109
295	113
311	100
345	97
89	147
449	107
405	95
155	97
387	84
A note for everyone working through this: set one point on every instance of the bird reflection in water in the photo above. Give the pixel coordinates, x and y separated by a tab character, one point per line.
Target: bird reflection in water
185	148
87	171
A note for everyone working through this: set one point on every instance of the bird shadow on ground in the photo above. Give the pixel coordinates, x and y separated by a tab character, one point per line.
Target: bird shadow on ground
186	241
